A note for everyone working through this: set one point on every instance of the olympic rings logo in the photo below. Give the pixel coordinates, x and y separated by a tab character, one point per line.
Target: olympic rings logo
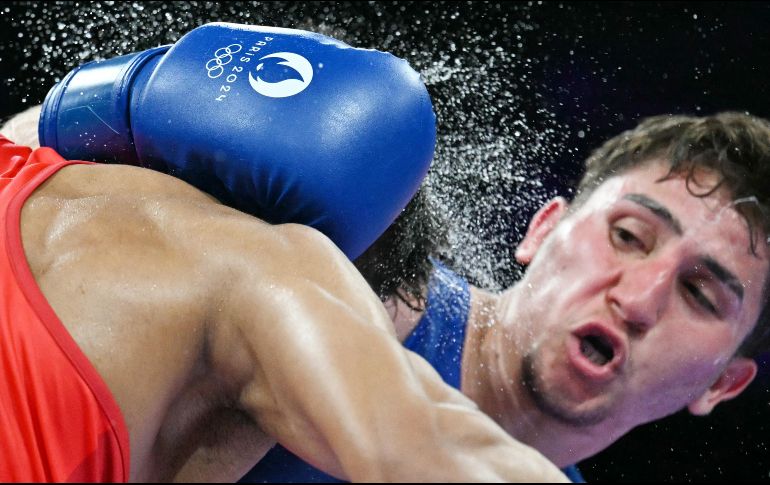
222	57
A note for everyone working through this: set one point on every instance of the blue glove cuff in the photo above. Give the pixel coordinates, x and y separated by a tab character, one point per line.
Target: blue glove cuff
86	115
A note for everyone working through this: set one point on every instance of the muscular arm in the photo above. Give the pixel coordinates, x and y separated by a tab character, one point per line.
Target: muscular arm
318	367
298	335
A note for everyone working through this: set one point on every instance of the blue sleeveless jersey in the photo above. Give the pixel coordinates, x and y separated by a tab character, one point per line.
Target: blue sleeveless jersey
438	337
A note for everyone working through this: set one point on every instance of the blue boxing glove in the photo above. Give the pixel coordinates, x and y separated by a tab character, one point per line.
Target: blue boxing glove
287	125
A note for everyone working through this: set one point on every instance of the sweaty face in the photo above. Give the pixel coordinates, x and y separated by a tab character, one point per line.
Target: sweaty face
636	302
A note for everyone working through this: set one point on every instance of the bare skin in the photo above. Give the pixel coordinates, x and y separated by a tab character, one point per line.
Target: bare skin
645	295
234	334
22	127
616	267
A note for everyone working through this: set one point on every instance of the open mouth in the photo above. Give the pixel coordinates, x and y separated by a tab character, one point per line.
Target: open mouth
597	349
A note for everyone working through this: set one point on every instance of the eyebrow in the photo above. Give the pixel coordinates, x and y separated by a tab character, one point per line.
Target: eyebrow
724	275
718	270
656	208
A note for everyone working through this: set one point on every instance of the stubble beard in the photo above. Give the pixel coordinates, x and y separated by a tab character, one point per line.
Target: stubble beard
550	403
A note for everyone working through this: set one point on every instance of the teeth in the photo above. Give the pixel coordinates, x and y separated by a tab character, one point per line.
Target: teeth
596	350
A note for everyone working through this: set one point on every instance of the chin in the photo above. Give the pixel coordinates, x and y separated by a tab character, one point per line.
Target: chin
560	400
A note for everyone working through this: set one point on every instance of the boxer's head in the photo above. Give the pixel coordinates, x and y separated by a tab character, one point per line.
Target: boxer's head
649	293
735	147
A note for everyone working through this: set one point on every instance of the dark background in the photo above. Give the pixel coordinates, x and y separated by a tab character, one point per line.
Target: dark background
522	92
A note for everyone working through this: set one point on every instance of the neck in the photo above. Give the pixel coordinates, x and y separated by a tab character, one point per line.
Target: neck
405	316
491	377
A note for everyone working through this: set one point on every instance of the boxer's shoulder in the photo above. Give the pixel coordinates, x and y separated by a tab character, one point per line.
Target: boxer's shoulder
130	260
114	211
116	217
118	181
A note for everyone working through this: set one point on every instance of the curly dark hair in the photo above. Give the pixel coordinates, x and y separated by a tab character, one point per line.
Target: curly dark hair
397	263
736	146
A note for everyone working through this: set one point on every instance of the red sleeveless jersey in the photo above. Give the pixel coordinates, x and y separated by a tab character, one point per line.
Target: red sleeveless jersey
58	420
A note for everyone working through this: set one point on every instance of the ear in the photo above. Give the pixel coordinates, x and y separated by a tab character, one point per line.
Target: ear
737	375
539	227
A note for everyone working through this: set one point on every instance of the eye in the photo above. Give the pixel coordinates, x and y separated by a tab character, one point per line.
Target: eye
625	239
632	235
693	290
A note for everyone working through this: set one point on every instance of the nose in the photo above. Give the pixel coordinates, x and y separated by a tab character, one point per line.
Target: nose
639	293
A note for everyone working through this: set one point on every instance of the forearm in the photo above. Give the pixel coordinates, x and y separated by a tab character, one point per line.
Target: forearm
363	408
333	385
22	128
475	446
